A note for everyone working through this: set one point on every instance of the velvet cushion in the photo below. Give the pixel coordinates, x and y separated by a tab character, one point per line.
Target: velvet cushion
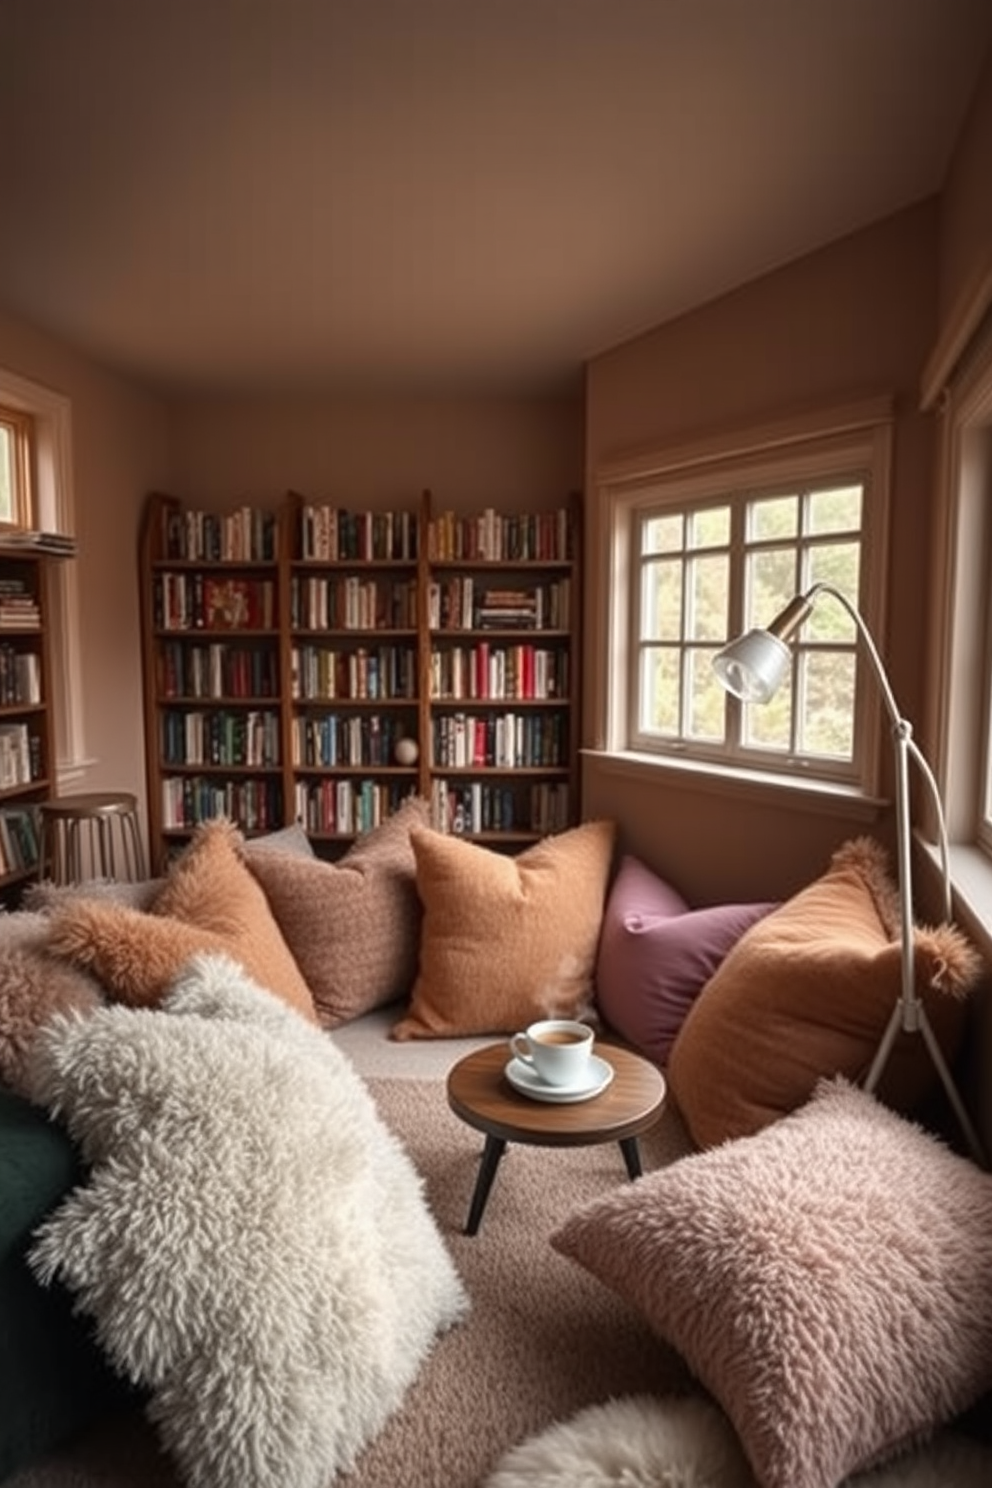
34	986
353	926
210	902
506	939
808	991
655	955
826	1280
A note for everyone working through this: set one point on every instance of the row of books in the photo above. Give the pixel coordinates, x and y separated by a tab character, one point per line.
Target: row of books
218	670
58	544
353	603
332	534
20	676
331	740
208	602
255	804
19	607
20	756
18	840
491	537
246	738
499	672
463	604
347	807
322	674
470	809
503	741
247	535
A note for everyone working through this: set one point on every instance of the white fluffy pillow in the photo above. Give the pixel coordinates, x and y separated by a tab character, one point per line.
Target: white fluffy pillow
252	1242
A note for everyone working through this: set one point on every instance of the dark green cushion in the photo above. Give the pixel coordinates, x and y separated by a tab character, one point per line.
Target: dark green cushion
53	1377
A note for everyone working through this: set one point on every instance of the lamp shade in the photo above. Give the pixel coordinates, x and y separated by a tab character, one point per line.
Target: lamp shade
753	666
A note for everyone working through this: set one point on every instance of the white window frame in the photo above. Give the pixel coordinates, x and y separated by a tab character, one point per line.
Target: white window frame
54	511
851	436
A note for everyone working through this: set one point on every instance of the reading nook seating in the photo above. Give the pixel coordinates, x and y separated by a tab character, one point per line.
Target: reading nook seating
232	1249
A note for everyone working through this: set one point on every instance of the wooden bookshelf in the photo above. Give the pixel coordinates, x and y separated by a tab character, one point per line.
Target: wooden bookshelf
27	747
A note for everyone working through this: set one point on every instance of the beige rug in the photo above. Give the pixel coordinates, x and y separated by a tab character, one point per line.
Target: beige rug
544	1339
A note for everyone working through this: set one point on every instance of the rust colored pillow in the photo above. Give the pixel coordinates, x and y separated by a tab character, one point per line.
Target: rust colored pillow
354	925
808	992
505	939
210	902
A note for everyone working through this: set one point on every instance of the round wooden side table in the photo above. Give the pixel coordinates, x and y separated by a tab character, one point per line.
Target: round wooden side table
480	1095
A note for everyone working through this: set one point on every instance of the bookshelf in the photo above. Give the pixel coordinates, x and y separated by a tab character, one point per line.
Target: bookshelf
321	665
27	770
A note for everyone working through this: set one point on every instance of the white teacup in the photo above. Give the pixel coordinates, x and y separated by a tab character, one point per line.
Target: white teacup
556	1049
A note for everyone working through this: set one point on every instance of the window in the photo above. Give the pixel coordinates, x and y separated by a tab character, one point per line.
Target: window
706	544
16	444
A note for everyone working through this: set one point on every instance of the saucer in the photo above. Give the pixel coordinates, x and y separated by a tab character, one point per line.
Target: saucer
527	1082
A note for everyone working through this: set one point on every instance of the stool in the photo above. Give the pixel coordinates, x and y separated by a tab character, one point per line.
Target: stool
107	821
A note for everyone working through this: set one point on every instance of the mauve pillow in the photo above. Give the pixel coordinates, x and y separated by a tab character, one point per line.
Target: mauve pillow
827	1281
656	955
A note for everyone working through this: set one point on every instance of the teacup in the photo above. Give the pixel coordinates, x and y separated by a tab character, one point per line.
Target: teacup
556	1049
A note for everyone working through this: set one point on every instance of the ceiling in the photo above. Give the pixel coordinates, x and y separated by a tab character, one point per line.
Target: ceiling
422	195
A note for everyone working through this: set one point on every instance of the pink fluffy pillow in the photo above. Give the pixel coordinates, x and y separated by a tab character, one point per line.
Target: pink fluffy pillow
656	955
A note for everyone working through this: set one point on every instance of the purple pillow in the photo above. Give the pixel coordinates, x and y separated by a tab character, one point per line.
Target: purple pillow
656	955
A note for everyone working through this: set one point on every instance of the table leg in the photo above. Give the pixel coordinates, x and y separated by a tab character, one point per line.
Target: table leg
491	1154
632	1157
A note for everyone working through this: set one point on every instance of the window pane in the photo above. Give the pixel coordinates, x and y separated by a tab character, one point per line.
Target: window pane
708	590
662	534
6	474
777	517
837	564
706	699
659	691
769	725
826	718
710	528
661	600
772	580
837	510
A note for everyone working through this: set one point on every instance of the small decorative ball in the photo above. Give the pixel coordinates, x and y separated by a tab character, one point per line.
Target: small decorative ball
406	751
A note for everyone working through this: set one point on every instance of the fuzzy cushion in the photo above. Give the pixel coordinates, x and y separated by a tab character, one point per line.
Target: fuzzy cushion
34	986
252	1241
808	991
826	1280
353	926
210	902
505	939
656	954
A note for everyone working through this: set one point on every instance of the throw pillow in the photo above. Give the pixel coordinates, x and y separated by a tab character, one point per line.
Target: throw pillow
34	986
505	939
45	896
210	902
252	1241
825	1280
353	926
656	954
808	991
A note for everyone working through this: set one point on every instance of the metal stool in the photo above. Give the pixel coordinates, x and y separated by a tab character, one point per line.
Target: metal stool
107	821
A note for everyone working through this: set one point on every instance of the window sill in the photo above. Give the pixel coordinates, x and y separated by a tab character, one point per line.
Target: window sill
971	887
772	790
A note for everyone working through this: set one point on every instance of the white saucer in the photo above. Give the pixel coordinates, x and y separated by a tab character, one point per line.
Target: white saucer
528	1082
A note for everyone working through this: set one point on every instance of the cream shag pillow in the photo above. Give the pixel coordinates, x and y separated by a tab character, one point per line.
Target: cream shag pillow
826	1280
252	1242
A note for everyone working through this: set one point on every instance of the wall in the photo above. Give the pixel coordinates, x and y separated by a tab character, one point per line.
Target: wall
120	450
856	318
966	207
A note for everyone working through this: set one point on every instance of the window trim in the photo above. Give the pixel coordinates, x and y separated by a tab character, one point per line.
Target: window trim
622	486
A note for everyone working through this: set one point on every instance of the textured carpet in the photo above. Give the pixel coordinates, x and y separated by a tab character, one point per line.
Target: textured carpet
542	1341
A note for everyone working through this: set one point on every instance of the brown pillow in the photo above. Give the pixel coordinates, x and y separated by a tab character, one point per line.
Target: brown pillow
504	939
808	992
34	987
210	902
353	926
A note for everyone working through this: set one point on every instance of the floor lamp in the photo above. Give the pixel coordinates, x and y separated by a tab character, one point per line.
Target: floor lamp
752	668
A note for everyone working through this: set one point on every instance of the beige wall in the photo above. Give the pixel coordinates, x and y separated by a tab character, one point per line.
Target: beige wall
120	449
966	207
856	318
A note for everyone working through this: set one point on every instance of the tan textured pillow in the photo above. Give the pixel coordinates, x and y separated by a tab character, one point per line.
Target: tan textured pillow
808	992
34	986
210	902
354	925
506	939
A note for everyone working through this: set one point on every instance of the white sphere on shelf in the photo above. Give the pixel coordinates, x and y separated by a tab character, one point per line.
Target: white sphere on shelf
406	751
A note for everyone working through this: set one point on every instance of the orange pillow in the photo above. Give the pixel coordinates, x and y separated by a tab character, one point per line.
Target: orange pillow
210	902
505	940
808	991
